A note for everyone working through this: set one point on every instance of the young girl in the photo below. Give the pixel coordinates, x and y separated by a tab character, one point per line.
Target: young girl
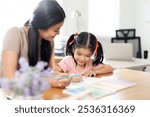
85	56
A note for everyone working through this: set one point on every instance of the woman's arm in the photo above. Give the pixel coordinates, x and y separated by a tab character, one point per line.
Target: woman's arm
10	53
9	63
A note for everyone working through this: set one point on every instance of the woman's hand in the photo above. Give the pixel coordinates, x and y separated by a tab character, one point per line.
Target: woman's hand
59	83
62	83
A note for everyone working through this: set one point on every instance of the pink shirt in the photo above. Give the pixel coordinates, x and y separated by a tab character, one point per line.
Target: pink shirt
68	65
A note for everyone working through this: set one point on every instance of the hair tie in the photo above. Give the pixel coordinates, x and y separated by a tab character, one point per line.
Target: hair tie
97	46
75	36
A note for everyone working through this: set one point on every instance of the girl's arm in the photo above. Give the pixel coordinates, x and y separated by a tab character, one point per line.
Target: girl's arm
102	69
58	68
99	69
9	63
62	66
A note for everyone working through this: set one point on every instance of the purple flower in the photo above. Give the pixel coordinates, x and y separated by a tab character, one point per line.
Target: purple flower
29	81
26	91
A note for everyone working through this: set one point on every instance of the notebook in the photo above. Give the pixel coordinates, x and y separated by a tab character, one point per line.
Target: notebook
118	51
113	84
87	92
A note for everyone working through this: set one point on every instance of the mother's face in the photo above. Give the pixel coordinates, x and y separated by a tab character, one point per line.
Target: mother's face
51	32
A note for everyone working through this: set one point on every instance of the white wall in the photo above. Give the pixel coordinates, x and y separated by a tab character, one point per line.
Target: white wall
14	13
83	6
70	24
127	14
142	25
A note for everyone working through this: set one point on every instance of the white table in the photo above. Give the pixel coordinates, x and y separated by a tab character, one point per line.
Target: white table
137	64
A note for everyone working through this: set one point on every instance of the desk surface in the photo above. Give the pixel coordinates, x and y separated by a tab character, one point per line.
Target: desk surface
136	63
139	92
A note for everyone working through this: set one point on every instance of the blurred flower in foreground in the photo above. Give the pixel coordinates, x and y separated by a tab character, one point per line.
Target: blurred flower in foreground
28	81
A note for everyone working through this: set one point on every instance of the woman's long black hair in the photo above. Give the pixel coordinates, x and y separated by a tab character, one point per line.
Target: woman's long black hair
45	15
85	40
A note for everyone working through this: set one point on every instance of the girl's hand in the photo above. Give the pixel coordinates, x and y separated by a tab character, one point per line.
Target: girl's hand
90	74
56	74
76	77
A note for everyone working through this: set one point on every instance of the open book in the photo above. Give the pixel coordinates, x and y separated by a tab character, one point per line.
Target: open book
97	89
87	92
83	82
113	84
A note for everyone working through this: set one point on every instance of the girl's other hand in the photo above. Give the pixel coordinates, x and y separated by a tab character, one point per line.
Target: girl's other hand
90	74
76	79
56	74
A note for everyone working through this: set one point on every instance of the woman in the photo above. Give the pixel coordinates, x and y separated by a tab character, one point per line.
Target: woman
34	41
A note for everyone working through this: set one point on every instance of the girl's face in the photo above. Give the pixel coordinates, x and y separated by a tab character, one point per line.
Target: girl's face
51	32
82	55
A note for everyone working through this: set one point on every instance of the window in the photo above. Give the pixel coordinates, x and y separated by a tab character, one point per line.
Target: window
103	17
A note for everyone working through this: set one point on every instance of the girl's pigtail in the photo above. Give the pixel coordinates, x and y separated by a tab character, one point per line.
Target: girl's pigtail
69	46
98	54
